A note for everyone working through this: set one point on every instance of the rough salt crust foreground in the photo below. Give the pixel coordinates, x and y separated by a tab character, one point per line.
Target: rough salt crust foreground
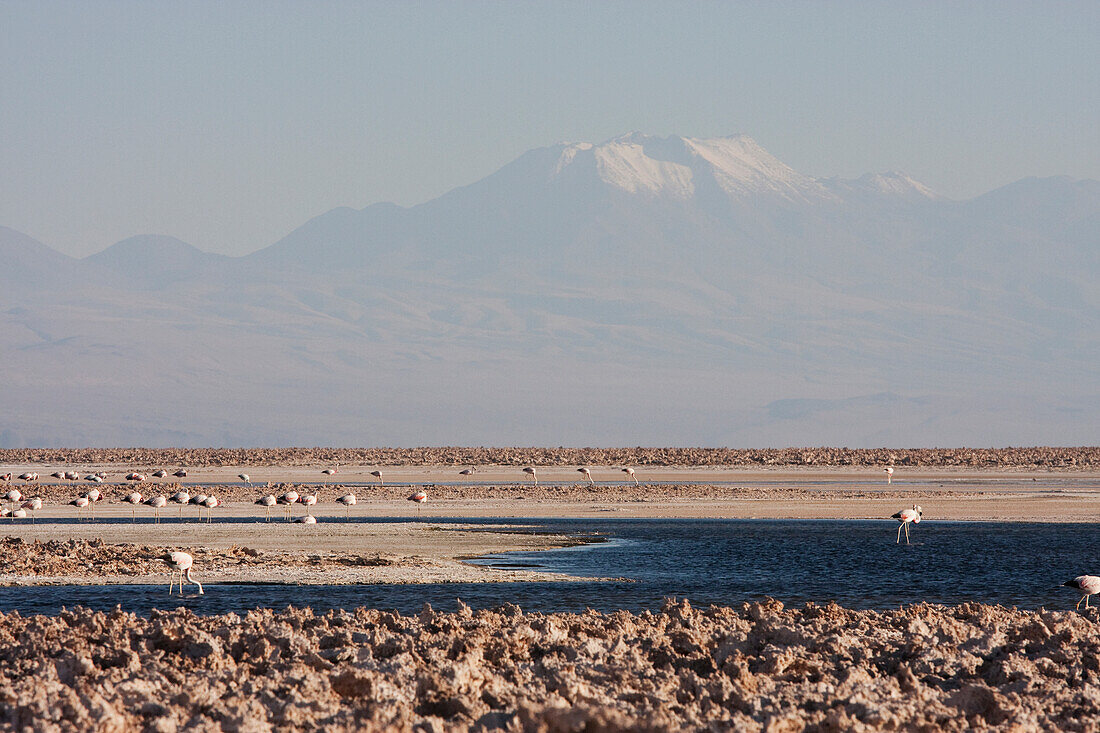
759	667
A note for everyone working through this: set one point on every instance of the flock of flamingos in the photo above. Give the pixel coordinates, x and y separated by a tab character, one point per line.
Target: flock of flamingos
21	507
181	562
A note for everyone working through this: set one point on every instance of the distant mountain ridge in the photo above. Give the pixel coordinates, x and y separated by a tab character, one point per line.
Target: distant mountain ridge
644	290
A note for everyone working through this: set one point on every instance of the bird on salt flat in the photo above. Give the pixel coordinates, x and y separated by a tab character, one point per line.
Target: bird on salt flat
587	474
378	475
182	498
181	473
181	563
267	502
889	471
348	500
32	505
288	500
533	473
133	499
158	503
79	502
307	519
244	477
630	472
907	516
419	497
1086	585
467	472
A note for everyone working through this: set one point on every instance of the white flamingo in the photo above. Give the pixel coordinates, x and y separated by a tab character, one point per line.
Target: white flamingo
72	476
308	500
306	519
158	503
19	513
79	502
181	473
28	477
530	471
378	475
587	474
93	495
59	475
267	502
13	496
94	478
467	472
1086	585
133	499
630	472
244	477
329	472
419	497
211	503
907	517
889	471
32	505
135	477
181	563
288	500
348	500
160	473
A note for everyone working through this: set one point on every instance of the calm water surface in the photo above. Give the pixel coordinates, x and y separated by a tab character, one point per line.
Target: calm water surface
855	563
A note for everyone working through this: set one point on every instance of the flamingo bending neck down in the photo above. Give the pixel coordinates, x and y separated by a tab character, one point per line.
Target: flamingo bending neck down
630	472
182	563
587	472
533	473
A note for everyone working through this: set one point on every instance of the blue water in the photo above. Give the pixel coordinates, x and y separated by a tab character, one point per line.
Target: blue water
855	563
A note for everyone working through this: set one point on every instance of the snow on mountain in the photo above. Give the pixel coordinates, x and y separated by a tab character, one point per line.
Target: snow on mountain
683	290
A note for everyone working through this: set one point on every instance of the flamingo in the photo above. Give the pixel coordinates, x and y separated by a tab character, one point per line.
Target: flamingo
102	475
160	473
79	502
1086	585
133	499
467	472
181	563
59	475
181	473
530	471
889	471
419	497
307	519
348	500
32	505
244	477
71	476
378	475
267	502
158	503
94	478
135	477
330	472
19	513
27	477
587	474
93	495
630	472
211	503
288	500
180	497
308	500
199	501
13	496
6	477
907	516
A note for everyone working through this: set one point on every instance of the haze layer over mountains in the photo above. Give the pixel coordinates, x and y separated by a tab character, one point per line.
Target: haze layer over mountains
656	291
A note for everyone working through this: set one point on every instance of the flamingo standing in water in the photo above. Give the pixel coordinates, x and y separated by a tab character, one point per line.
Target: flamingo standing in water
907	516
158	503
630	472
244	477
587	474
268	502
133	499
533	473
181	563
348	500
419	497
1086	585
889	471
32	505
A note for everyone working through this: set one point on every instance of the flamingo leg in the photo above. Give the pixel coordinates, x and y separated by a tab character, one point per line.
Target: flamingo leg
899	533
1086	601
907	533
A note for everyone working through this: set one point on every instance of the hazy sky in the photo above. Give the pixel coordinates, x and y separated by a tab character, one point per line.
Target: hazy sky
227	124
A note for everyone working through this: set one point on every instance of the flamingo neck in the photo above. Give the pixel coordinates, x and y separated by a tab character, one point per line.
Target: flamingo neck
187	574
